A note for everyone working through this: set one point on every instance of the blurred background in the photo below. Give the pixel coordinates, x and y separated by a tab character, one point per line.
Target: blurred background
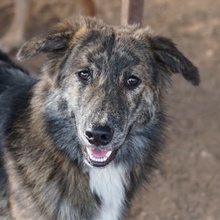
187	185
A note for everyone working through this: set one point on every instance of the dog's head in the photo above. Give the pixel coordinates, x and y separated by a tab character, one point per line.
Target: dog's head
112	81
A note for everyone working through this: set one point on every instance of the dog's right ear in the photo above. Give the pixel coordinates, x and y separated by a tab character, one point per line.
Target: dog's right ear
56	39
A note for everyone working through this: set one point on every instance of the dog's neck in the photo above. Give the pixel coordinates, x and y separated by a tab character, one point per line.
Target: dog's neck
109	185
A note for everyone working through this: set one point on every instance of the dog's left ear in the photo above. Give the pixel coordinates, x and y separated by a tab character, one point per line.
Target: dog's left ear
56	39
171	60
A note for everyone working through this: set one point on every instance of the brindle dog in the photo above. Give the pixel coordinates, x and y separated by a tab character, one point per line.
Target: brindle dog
78	142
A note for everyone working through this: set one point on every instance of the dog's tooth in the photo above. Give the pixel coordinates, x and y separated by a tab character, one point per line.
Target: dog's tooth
108	154
103	159
89	151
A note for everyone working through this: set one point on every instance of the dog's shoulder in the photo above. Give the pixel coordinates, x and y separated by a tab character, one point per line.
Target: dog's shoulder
15	92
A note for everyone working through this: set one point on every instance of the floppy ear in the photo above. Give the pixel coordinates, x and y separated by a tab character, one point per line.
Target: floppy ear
171	60
56	39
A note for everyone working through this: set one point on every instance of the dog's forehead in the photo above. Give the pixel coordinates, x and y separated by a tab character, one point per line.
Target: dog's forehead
115	39
119	47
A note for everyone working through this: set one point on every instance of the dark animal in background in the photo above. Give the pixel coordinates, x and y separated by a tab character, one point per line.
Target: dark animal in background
80	140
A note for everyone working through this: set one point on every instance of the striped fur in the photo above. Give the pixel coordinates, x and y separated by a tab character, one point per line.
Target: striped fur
79	141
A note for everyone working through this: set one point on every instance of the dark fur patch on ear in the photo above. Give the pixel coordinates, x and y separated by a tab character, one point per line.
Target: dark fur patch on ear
57	38
172	60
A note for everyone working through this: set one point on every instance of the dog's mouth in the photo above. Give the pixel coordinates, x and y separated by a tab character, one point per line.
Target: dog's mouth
99	158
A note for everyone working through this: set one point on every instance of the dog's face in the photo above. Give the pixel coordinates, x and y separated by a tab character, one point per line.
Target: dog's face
112	80
109	87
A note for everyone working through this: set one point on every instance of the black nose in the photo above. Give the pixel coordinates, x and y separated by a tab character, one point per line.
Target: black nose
101	135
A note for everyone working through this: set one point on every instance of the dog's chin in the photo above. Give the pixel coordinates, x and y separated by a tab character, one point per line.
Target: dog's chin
99	158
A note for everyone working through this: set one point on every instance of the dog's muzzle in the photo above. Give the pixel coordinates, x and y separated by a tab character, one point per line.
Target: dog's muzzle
99	136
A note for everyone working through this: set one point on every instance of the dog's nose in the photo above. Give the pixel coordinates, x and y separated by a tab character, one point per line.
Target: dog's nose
100	135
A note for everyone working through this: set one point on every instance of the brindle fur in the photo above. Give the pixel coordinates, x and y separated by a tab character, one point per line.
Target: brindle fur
43	121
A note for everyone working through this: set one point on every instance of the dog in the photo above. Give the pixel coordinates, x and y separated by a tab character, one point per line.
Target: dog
79	141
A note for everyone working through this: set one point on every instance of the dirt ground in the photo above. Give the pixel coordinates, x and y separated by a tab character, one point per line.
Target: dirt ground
187	185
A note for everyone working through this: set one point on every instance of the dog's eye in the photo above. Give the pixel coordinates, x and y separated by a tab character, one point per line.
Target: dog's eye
84	74
132	82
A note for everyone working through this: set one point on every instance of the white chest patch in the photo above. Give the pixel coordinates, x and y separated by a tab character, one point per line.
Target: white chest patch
108	184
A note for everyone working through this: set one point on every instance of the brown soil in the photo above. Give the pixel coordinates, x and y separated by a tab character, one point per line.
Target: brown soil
187	186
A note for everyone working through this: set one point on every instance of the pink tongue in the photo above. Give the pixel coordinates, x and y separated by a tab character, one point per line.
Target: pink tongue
99	153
